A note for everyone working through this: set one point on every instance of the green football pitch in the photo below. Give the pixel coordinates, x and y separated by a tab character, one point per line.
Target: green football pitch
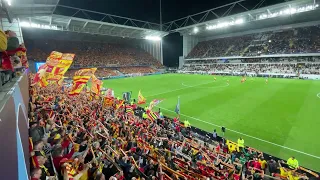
281	118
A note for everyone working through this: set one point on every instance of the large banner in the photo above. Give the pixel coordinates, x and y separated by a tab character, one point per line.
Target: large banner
56	66
80	79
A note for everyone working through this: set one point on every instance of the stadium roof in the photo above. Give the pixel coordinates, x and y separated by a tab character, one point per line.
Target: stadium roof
49	14
210	23
44	14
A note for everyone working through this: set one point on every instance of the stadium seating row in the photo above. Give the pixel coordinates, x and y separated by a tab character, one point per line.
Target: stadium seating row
106	72
276	68
92	53
290	41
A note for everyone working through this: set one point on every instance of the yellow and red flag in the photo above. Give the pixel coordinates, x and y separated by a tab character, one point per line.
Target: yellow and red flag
80	79
119	104
41	76
108	102
56	66
141	99
96	85
59	63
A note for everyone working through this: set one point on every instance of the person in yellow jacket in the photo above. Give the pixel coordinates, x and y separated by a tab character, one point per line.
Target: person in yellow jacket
240	143
144	116
293	163
186	123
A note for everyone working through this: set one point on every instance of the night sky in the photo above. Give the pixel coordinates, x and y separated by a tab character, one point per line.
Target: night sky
148	10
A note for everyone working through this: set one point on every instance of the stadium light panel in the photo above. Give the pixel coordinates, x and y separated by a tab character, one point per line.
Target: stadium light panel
225	24
9	2
195	30
288	11
41	26
153	38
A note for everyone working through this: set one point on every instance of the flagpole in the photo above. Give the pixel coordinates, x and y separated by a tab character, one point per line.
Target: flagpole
179	107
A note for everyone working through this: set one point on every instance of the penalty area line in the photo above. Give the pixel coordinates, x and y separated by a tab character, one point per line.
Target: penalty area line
284	147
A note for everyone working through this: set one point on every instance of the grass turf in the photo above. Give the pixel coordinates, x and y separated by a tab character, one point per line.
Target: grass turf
284	112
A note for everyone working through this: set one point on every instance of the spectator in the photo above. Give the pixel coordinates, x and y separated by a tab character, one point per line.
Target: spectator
36	174
293	163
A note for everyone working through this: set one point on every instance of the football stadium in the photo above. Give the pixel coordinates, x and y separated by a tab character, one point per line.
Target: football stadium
96	90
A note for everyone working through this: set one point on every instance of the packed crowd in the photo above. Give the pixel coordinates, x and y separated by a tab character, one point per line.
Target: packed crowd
290	41
78	138
135	70
108	72
101	72
272	68
92	53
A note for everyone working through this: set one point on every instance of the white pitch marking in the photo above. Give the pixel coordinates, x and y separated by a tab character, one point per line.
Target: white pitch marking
179	89
197	119
318	95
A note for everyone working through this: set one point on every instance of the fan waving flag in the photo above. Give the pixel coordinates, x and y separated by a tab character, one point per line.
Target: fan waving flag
96	85
129	110
141	99
177	110
80	79
152	115
154	103
54	69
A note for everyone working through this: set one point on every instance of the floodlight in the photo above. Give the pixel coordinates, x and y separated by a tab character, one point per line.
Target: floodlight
9	2
239	21
25	24
153	38
195	30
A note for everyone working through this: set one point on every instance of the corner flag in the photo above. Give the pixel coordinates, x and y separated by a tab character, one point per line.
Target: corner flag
177	110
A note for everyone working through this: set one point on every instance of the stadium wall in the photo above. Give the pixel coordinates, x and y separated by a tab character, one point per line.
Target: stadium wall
154	48
189	42
14	163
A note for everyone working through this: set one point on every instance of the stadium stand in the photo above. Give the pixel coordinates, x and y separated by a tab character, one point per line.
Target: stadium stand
290	41
101	72
92	53
134	70
256	66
